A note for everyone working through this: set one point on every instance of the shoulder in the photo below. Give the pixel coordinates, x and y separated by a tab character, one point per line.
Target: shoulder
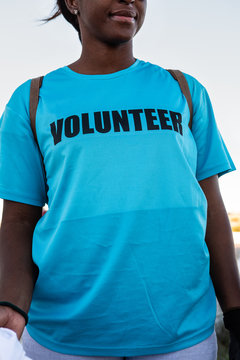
197	89
54	74
194	84
202	105
19	99
20	93
155	70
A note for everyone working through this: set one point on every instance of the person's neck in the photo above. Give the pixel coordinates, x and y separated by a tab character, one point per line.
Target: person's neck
104	59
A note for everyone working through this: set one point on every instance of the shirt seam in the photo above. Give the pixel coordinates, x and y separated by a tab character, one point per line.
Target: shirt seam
101	77
5	193
215	170
149	347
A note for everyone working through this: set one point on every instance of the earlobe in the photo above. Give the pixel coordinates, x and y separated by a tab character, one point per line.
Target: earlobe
72	6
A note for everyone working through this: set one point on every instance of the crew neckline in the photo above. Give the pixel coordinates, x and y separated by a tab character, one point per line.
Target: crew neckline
102	76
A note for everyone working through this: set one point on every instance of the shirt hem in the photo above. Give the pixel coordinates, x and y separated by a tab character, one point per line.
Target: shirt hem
218	170
136	351
18	198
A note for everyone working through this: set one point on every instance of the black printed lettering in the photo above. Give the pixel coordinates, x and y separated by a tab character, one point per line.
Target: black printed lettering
176	121
72	126
105	125
120	119
150	118
116	121
163	119
57	131
136	118
85	124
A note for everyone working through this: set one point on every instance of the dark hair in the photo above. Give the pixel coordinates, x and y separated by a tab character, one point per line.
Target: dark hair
61	9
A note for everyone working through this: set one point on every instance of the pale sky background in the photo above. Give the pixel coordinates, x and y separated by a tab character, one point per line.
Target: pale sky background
201	38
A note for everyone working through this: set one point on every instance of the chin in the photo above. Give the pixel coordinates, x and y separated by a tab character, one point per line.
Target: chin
118	42
120	39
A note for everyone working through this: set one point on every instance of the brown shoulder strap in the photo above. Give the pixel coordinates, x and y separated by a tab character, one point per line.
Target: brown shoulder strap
36	83
178	75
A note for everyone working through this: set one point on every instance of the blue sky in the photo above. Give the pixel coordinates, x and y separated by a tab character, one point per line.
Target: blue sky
198	37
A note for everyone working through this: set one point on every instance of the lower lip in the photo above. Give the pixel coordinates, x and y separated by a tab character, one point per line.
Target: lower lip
124	19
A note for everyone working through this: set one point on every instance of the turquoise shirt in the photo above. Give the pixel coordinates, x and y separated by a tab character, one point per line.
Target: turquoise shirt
123	263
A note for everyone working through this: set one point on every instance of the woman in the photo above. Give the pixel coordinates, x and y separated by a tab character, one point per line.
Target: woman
136	221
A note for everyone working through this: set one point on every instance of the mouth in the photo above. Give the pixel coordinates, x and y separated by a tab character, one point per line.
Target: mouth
127	16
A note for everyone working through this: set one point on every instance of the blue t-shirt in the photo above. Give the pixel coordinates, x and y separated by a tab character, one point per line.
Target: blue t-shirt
123	263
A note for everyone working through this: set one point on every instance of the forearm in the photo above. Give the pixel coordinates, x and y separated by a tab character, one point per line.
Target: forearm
18	273
223	264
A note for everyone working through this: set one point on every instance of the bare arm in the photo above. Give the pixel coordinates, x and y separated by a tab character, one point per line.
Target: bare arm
18	273
219	239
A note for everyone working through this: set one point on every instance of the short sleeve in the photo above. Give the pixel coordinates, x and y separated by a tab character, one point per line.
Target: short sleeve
213	157
21	170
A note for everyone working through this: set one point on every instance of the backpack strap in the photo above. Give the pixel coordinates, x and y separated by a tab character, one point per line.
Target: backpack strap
36	83
180	78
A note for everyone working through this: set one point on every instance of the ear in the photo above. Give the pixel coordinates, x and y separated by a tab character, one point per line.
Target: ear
72	5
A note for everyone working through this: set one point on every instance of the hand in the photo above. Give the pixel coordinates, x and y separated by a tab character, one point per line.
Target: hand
234	347
11	319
